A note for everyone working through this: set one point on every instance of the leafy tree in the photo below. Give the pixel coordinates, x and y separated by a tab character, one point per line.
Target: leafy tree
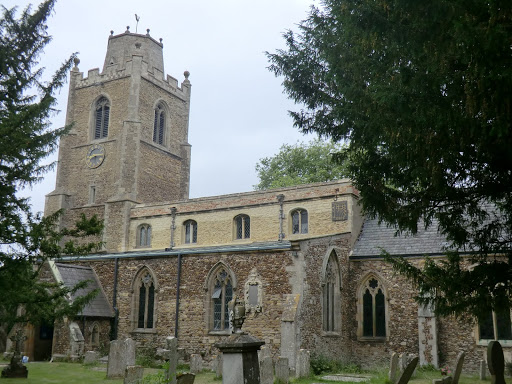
421	91
27	240
300	164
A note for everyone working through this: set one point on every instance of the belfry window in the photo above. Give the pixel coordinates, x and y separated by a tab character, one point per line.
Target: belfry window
299	221
159	125
190	232
144	236
242	227
372	309
101	118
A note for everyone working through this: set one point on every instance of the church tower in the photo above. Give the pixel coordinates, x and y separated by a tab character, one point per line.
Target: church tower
129	138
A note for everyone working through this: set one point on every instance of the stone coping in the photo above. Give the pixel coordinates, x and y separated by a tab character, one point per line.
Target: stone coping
346	378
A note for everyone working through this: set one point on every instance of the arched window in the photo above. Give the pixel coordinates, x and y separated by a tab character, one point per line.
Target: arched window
159	125
331	300
144	300
144	236
95	335
242	227
495	326
101	116
299	221
221	288
372	308
190	232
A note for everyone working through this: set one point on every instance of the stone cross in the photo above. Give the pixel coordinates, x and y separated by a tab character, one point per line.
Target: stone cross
496	362
408	371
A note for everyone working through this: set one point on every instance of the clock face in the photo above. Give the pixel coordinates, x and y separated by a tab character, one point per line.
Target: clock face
95	156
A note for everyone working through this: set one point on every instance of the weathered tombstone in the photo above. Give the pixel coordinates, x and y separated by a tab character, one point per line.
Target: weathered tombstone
264	352
303	363
186	378
266	371
218	366
129	351
122	354
172	346
16	369
133	374
496	362
282	370
91	357
408	371
393	367
458	367
76	340
483	369
196	363
402	361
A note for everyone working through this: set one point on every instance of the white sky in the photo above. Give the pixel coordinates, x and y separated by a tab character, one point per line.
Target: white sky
238	111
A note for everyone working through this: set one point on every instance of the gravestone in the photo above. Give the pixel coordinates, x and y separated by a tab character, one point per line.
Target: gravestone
196	363
458	367
303	363
282	370
266	371
218	366
133	374
91	357
393	367
408	371
121	355
172	356
483	369
402	361
496	362
16	369
264	352
76	340
186	378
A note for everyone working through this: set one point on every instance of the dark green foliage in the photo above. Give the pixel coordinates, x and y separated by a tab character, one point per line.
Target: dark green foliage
321	364
421	91
301	163
27	241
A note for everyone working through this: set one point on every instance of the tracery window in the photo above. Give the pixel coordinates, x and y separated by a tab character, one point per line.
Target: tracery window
221	293
331	295
144	291
372	307
101	118
190	232
495	326
242	227
299	221
144	236
159	125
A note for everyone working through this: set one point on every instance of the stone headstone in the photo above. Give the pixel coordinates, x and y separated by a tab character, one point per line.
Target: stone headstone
76	340
196	363
129	351
91	357
458	367
172	356
186	378
133	374
282	370
402	362
496	362
303	363
218	366
264	352
393	367
266	371
409	370
483	369
121	355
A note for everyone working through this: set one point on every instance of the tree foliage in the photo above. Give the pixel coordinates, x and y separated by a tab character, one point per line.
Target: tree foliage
421	91
26	240
301	163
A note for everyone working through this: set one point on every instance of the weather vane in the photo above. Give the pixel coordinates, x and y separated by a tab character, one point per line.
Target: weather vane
137	25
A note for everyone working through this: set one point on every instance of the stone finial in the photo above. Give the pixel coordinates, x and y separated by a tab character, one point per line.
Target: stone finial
186	74
147	32
127	29
76	61
161	40
111	32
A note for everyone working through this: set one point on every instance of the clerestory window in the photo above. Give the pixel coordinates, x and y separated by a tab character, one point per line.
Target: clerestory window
242	227
299	221
190	232
144	236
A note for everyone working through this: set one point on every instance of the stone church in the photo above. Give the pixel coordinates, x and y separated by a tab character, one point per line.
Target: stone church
303	258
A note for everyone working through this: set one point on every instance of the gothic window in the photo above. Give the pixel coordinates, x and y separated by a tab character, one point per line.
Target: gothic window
495	326
190	232
372	309
95	335
159	125
144	236
221	293
299	221
101	116
242	227
144	300
331	300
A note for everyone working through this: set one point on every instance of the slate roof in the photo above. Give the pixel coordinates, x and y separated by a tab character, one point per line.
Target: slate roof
72	275
375	237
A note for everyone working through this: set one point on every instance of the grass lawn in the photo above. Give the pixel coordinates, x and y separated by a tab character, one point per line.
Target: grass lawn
75	373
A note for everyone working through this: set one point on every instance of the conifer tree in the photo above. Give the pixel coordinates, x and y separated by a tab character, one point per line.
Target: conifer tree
421	91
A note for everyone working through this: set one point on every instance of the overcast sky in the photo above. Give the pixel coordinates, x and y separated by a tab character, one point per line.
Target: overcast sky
238	111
